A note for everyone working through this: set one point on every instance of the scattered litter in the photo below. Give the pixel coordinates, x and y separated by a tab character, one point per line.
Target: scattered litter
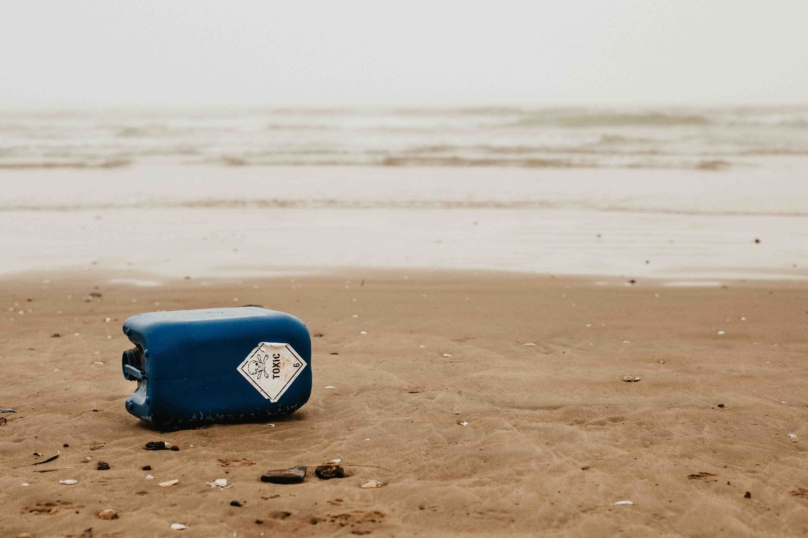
6	410
529	344
68	482
631	378
292	475
47	460
624	502
168	483
327	472
156	445
102	466
372	484
109	513
178	527
218	483
149	477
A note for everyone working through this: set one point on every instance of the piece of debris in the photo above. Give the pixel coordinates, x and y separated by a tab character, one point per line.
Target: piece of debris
169	483
372	484
462	423
87	459
327	472
109	513
747	495
703	476
292	475
626	502
235	463
235	503
6	410
800	492
25	484
218	483
335	461
330	387
178	527
65	445
68	482
97	447
156	445
102	466
631	378
47	460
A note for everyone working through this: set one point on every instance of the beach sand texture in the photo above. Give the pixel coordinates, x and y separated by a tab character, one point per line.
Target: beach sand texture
486	403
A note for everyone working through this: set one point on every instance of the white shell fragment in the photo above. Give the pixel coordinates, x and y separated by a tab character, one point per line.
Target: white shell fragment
149	477
372	484
68	482
624	502
791	436
335	461
631	378
218	483
178	527
446	355
169	483
529	344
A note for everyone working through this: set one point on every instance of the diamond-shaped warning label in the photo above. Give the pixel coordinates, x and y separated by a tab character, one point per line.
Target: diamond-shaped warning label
272	368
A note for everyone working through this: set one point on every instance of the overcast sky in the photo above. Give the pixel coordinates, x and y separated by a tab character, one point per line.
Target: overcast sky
554	52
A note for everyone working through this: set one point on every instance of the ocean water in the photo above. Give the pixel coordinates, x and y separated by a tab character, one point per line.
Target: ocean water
679	138
682	195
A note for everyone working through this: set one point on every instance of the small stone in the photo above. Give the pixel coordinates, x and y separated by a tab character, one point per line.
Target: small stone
372	484
721	405
169	483
156	445
259	521
109	513
68	482
178	527
65	445
747	495
235	503
102	466
631	378
147	467
174	448
292	475
327	472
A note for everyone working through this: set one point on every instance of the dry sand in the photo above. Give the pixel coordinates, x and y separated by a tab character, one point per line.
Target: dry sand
472	430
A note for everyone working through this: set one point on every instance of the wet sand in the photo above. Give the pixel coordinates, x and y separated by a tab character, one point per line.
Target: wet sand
476	432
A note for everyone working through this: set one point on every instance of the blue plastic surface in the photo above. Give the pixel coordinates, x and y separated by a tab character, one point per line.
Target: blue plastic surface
187	365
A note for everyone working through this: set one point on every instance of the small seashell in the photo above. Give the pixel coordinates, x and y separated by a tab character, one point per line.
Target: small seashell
463	423
330	387
25	484
68	482
446	355
149	477
362	332
178	527
631	378
372	484
529	344
169	483
218	483
624	502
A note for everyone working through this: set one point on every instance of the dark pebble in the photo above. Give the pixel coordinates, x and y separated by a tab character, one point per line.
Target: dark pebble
235	503
293	475
147	467
156	445
720	405
747	495
175	448
327	472
55	335
632	281
65	445
259	521
102	466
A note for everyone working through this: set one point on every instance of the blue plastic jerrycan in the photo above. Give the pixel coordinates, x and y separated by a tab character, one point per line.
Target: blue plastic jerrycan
194	367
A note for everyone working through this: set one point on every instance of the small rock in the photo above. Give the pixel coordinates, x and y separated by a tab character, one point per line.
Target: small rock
178	527
721	405
55	335
102	466
631	378
109	513
327	472
626	502
235	503
259	521
147	467
747	495
65	445
156	445
792	436
174	448
372	484
292	475
169	483
68	482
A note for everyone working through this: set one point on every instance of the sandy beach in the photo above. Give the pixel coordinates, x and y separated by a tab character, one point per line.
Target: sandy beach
487	403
